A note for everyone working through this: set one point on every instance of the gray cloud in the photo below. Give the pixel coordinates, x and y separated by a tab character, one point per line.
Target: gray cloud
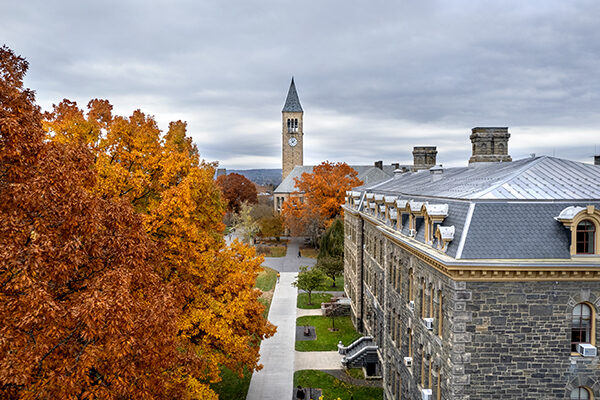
374	78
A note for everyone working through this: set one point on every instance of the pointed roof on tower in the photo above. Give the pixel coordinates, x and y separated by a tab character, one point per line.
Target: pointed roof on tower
292	103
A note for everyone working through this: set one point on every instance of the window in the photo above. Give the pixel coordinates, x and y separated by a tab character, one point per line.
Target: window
586	230
581	330
581	393
411	279
440	315
439	384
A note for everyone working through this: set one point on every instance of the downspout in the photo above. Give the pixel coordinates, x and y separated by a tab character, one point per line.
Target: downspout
362	270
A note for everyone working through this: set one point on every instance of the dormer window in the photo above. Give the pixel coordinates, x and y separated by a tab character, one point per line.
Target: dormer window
583	222
586	232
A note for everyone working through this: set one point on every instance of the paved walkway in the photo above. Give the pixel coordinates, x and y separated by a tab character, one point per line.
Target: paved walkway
291	262
277	354
275	380
300	312
322	360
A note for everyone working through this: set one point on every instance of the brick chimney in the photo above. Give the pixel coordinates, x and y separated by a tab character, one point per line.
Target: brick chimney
596	160
490	144
423	157
379	164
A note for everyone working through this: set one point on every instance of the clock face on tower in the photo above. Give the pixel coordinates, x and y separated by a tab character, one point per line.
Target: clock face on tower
292	141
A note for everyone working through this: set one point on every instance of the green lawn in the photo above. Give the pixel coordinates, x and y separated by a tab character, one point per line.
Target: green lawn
356	373
316	299
339	284
334	388
326	340
266	279
232	387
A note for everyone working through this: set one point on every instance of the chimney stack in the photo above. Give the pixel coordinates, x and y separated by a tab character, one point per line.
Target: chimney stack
423	157
490	144
396	166
596	160
379	164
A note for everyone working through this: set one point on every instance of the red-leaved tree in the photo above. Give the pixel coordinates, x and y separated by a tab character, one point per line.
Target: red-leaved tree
83	313
237	189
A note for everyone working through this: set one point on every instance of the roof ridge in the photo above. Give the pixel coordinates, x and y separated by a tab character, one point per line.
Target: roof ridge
511	176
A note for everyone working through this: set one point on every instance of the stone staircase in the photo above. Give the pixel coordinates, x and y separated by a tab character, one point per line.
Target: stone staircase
360	353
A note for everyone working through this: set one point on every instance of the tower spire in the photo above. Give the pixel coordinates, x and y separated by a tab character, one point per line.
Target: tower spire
292	102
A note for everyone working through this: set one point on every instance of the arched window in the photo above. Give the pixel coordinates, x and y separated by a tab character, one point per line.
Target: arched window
581	393
586	231
581	330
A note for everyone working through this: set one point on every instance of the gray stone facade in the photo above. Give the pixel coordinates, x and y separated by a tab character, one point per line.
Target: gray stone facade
469	279
500	340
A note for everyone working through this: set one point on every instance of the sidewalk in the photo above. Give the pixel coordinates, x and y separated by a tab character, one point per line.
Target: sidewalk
321	360
291	262
275	380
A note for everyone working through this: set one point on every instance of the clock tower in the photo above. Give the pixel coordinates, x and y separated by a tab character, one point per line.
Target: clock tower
292	132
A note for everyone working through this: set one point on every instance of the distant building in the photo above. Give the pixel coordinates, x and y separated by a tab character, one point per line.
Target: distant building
292	142
479	282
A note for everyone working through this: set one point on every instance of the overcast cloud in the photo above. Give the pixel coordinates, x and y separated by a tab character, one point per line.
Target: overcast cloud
375	78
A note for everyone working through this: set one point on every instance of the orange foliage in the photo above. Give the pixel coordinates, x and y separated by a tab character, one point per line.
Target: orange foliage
323	192
237	189
116	280
83	313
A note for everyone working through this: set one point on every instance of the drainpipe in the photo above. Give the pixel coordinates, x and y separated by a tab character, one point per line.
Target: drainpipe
361	277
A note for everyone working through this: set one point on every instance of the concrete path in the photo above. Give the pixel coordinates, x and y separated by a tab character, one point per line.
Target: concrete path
322	360
275	380
291	262
300	312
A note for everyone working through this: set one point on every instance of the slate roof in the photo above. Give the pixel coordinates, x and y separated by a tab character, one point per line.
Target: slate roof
366	173
539	178
292	102
502	210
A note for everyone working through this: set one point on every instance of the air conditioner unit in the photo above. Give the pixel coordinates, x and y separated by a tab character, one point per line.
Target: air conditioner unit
587	350
411	305
408	361
426	394
412	232
428	323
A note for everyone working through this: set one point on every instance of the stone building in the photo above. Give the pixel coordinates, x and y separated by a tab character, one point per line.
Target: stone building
292	153
292	132
479	282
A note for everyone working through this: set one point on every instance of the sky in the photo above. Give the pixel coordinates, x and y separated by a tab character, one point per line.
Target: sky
375	78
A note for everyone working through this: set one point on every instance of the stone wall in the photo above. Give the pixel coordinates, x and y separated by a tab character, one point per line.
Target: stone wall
500	340
518	338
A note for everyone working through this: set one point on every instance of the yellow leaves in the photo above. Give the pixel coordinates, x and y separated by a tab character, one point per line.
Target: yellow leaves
219	318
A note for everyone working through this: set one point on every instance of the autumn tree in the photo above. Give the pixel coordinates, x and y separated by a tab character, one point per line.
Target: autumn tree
237	189
84	314
220	319
318	198
271	226
244	225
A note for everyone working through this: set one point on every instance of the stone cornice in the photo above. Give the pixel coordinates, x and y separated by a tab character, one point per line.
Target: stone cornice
490	270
